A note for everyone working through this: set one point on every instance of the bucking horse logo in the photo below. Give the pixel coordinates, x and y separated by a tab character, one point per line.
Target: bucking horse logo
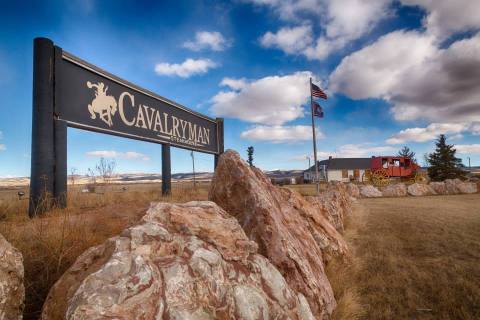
105	106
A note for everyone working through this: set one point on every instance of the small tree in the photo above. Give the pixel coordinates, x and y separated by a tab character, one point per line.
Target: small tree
443	163
406	152
250	155
73	175
106	169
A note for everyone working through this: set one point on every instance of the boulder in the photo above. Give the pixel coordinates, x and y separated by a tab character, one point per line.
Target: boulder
438	187
291	232
369	191
182	261
452	186
395	190
353	190
420	189
12	291
467	187
335	204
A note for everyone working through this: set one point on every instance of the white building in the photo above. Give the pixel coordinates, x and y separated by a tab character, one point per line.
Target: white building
339	169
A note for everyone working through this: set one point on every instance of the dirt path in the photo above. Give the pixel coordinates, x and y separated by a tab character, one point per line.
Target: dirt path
412	258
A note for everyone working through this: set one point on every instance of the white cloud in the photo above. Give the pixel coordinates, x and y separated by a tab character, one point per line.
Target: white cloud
445	17
292	9
290	40
421	80
207	40
235	84
280	134
362	150
467	148
186	69
116	154
273	100
341	22
428	133
374	71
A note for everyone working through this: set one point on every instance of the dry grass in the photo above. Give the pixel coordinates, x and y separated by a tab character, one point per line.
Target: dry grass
412	258
51	243
307	189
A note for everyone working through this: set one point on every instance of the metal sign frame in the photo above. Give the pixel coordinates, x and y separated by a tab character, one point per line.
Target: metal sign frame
62	98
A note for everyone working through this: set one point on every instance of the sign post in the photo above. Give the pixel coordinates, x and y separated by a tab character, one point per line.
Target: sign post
70	92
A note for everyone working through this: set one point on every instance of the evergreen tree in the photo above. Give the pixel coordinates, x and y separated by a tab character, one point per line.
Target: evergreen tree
406	152
250	156
443	163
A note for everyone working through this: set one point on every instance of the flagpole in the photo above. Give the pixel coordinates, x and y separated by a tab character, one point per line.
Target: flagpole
314	138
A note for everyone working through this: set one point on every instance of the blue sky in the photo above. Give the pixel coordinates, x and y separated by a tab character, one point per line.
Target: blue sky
396	72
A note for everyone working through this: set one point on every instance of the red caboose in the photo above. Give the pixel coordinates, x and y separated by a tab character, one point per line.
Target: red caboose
385	168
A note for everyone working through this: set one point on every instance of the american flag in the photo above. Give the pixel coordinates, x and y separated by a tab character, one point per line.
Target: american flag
317	110
317	92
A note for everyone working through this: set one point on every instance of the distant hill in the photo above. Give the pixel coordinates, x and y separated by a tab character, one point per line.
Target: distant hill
147	177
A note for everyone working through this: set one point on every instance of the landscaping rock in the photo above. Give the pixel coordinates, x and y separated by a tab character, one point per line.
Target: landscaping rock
438	187
353	190
395	190
335	204
12	291
291	232
467	187
369	191
183	261
419	189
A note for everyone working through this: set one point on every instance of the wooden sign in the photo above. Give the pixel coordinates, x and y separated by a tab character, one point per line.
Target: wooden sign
89	98
69	92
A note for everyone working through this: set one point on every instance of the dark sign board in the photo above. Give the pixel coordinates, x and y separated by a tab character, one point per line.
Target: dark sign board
69	92
89	98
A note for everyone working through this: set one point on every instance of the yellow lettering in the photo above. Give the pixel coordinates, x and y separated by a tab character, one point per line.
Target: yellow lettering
141	118
120	108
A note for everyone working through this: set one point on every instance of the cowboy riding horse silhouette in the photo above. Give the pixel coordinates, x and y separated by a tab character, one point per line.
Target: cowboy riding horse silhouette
105	106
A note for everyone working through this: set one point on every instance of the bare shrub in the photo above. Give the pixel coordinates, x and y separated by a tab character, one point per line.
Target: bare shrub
106	169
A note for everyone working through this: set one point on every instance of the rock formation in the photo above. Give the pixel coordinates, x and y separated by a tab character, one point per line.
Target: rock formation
183	261
291	232
353	190
455	186
369	191
335	203
419	189
438	187
12	291
395	190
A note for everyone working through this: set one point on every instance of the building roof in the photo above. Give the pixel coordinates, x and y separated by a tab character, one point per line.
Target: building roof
344	163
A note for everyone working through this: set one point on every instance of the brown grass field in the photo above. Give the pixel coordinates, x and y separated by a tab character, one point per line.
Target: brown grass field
411	258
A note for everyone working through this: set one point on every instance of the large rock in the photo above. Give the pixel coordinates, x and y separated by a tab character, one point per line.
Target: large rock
452	186
12	291
438	187
395	190
335	203
420	189
369	191
353	190
292	233
183	261
466	187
